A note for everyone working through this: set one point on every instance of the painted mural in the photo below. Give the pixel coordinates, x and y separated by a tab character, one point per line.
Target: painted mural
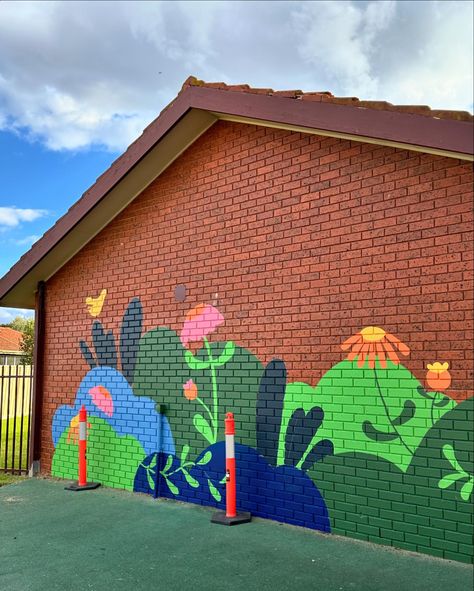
368	452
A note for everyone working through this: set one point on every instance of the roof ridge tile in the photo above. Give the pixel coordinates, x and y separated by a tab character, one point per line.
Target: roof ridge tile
326	96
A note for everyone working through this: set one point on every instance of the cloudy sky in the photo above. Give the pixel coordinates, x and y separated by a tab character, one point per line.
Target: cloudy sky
80	80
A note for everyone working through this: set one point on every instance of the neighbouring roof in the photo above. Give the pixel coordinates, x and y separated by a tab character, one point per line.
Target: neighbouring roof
196	108
10	340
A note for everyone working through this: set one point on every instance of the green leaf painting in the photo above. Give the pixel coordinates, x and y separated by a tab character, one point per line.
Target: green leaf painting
169	463
202	426
195	363
379	411
226	354
190	479
151	482
173	488
214	491
163	366
206	458
111	459
459	474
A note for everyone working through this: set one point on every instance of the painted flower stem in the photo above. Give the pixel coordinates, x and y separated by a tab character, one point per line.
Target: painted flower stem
214	387
433	400
206	408
388	414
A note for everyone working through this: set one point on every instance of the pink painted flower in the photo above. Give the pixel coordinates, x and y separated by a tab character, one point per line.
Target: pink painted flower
102	398
190	390
200	322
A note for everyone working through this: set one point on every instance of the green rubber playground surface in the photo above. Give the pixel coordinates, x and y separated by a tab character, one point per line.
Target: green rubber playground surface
111	540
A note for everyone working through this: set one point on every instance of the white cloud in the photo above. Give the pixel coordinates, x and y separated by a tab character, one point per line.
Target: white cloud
9	314
96	73
338	38
26	241
14	216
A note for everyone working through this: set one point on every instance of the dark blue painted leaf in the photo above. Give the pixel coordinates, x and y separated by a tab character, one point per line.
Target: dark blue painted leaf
376	435
130	334
299	433
320	450
110	355
86	353
104	345
269	410
407	413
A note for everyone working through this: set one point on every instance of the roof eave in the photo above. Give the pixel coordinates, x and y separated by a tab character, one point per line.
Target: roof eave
411	131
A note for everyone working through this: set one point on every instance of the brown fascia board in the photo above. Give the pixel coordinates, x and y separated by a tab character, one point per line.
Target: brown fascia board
450	136
402	128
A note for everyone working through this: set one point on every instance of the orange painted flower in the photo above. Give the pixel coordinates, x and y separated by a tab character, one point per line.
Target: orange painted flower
190	390
438	376
373	343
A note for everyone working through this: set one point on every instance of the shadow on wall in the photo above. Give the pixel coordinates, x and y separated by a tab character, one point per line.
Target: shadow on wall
368	452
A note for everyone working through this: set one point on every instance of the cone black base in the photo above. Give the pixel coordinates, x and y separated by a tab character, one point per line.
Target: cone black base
221	518
87	486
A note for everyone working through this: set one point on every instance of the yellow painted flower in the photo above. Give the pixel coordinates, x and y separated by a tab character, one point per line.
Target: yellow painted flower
438	376
373	343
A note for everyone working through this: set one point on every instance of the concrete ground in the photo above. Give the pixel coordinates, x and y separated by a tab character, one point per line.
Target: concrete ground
112	540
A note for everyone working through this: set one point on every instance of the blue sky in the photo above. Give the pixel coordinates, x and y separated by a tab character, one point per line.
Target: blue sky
80	80
44	183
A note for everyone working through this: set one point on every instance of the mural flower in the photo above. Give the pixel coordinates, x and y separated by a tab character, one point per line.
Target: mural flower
373	343
73	432
200	322
438	376
102	398
190	390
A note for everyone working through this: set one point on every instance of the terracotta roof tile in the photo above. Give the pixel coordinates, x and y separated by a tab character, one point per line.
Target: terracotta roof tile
325	96
10	340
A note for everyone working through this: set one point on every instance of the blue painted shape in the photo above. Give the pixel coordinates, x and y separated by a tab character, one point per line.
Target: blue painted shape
132	415
283	494
130	333
269	409
104	345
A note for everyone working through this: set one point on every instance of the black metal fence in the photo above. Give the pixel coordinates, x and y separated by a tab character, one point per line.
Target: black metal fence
16	386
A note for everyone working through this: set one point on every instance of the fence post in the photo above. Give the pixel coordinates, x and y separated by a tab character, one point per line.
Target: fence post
15	408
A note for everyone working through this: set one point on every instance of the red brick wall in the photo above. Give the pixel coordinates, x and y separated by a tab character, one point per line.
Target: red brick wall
304	239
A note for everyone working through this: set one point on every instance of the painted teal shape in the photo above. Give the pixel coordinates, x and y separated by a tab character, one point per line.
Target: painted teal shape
131	415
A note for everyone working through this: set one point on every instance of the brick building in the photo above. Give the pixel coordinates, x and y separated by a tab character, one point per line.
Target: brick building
302	260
